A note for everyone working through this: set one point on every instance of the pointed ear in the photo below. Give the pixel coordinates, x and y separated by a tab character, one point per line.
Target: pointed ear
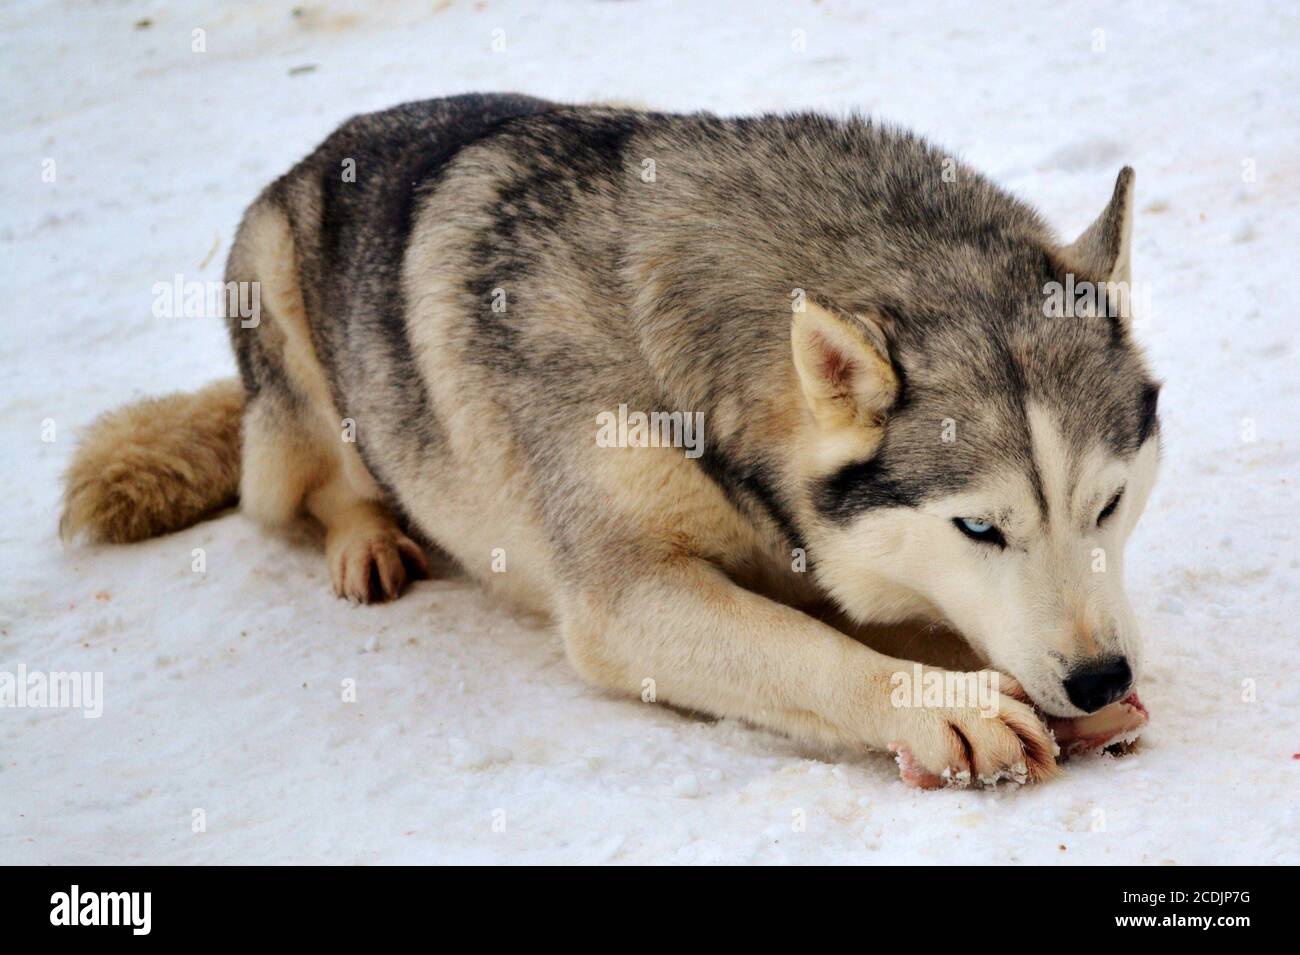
1103	249
843	366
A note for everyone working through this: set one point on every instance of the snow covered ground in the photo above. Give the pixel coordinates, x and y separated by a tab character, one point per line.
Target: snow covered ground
470	739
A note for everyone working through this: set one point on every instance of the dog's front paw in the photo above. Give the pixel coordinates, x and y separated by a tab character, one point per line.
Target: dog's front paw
965	746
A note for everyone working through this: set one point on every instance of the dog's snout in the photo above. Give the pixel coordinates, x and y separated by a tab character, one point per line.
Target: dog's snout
1098	683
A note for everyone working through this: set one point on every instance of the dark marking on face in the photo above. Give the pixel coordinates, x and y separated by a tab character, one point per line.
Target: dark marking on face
1147	421
1036	483
860	486
1018	388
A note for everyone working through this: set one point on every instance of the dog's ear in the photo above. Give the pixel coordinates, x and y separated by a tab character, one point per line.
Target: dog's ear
1103	250
843	365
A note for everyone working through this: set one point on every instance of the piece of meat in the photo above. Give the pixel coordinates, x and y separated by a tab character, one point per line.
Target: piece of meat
1112	728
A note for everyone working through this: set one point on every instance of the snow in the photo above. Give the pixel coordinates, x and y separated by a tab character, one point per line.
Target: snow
470	739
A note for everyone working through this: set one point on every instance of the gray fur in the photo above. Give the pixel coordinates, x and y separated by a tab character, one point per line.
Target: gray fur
677	294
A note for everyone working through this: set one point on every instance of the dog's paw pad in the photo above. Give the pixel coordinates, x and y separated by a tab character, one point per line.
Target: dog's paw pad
911	772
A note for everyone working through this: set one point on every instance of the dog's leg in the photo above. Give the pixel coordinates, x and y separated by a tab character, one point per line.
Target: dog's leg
295	457
291	467
683	633
369	557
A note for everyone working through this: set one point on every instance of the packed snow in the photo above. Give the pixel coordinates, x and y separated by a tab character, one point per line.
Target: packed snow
250	716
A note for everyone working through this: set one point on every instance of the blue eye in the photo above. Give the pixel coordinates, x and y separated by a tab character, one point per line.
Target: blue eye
982	531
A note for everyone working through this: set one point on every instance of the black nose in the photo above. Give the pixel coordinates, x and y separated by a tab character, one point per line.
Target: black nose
1103	681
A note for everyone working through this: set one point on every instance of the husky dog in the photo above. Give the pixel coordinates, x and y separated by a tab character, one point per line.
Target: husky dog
454	292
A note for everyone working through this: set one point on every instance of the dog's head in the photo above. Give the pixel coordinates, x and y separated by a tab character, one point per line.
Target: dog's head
983	460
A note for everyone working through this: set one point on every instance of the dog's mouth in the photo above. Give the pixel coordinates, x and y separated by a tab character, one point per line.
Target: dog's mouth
1114	728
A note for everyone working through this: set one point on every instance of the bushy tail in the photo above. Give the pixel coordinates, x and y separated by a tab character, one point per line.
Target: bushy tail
155	466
